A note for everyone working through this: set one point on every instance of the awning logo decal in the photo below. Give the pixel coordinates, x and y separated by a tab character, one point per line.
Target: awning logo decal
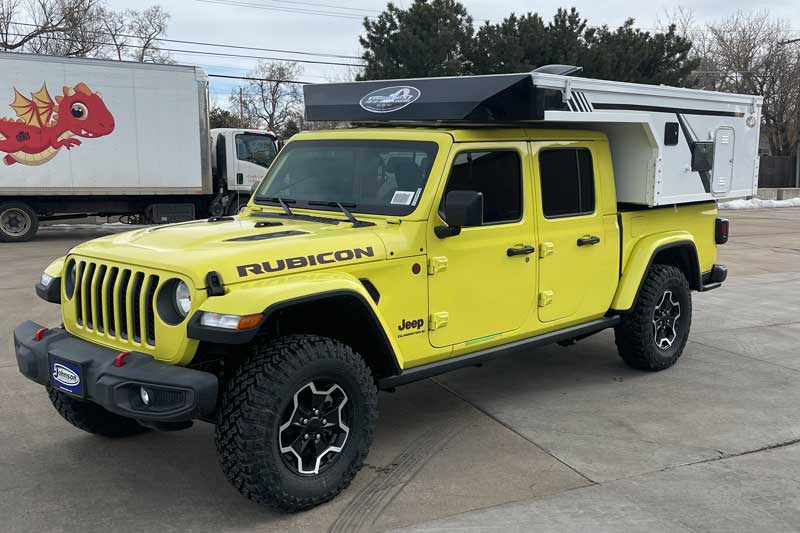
390	99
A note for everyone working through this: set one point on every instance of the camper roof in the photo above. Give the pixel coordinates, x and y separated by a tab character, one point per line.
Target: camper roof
546	94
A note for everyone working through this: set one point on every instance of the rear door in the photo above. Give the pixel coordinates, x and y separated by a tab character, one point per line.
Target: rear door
578	245
478	288
724	143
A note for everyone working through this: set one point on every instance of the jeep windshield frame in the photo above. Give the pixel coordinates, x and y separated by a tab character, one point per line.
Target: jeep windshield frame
373	177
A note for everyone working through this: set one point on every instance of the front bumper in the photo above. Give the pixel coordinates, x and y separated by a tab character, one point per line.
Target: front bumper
178	394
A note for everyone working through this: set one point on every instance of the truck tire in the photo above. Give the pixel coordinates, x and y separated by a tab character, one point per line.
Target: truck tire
18	222
653	334
296	421
92	418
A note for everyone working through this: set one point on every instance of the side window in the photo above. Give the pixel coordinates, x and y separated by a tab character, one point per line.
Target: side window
497	175
567	182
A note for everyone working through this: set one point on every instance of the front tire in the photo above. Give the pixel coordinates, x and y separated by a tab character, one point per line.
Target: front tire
18	222
653	334
296	421
92	418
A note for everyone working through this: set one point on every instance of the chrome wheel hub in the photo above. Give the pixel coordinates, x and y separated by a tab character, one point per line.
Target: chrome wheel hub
665	317
314	427
15	222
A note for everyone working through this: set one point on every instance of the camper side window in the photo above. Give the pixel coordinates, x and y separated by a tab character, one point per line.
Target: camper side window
496	174
567	182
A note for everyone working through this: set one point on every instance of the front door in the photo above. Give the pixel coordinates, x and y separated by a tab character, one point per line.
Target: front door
578	244
254	154
482	282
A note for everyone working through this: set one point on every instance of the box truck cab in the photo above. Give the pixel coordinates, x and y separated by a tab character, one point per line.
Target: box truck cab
240	158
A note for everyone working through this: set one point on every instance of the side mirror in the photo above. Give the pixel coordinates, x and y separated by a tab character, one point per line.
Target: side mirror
462	209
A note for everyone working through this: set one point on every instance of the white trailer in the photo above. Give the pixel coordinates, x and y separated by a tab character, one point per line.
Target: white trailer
84	136
669	145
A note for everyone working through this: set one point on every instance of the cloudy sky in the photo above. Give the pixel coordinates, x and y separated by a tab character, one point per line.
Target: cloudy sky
332	26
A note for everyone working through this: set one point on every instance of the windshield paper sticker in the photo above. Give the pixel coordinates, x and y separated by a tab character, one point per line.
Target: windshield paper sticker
416	196
402	197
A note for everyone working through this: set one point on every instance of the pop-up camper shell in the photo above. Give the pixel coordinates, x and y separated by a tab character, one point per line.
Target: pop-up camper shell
669	145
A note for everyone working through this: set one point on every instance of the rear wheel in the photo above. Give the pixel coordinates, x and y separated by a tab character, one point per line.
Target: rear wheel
296	421
18	222
654	332
92	418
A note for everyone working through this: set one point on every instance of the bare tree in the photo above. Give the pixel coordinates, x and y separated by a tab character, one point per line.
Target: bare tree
29	24
268	99
147	27
115	27
83	28
749	53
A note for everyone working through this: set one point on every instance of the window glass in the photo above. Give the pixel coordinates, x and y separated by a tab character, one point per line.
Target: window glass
378	177
567	182
255	148
495	174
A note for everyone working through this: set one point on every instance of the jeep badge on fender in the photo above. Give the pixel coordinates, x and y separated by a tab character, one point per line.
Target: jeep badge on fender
368	258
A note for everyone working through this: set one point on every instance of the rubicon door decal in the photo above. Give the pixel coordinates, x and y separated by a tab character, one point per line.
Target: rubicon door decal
44	126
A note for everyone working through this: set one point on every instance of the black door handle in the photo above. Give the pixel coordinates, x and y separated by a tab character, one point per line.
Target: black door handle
522	250
588	241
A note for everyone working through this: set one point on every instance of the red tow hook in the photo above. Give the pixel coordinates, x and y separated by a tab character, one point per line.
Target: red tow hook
39	334
119	360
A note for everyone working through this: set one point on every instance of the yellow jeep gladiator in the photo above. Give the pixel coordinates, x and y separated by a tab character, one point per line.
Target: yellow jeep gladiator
368	257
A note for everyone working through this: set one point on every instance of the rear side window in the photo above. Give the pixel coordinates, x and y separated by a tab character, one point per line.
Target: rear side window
496	174
567	182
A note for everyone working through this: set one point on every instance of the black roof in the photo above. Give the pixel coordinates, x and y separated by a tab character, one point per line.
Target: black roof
476	99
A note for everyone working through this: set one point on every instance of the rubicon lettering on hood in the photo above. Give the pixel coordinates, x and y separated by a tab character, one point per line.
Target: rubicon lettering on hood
302	261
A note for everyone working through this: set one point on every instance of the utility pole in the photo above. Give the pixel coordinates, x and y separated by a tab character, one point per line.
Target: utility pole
241	107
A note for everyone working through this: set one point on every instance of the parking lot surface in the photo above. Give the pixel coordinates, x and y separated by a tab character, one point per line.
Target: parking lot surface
558	439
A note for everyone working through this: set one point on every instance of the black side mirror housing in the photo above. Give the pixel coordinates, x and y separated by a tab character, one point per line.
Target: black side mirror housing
462	209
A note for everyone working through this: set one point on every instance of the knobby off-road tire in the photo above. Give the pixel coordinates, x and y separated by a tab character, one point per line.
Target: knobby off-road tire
92	418
640	342
265	407
18	222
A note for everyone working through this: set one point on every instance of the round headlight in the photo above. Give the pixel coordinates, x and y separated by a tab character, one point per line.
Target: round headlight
183	300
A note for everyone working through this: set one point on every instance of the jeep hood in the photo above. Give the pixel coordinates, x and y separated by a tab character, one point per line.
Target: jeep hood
240	248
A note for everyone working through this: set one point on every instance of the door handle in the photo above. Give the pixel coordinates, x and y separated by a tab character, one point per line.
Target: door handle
588	241
522	250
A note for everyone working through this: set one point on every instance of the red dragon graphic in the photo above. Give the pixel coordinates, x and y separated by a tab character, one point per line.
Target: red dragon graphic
43	126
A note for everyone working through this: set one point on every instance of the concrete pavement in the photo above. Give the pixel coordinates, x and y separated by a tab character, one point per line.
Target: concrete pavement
556	439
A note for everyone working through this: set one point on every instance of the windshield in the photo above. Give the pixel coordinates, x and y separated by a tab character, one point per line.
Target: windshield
376	177
255	148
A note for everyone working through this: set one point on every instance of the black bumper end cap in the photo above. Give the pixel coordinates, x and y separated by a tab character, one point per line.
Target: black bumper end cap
714	278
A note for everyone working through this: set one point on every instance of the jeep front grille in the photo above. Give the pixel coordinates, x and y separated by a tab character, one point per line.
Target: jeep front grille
115	302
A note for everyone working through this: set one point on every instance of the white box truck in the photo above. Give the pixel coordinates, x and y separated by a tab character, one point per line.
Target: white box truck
94	137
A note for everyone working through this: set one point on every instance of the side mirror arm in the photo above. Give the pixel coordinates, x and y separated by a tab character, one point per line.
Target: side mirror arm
444	232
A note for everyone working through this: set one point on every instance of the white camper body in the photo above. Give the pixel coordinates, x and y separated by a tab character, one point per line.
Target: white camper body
669	145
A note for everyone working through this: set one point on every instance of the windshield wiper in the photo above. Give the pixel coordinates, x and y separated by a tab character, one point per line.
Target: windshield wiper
343	208
281	201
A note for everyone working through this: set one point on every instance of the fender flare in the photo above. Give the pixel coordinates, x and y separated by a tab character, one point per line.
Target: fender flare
642	258
271	297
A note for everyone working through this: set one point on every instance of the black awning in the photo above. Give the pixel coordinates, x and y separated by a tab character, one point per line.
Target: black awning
499	98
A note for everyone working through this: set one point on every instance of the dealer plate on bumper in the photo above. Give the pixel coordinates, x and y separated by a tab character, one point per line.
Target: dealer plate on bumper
67	376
